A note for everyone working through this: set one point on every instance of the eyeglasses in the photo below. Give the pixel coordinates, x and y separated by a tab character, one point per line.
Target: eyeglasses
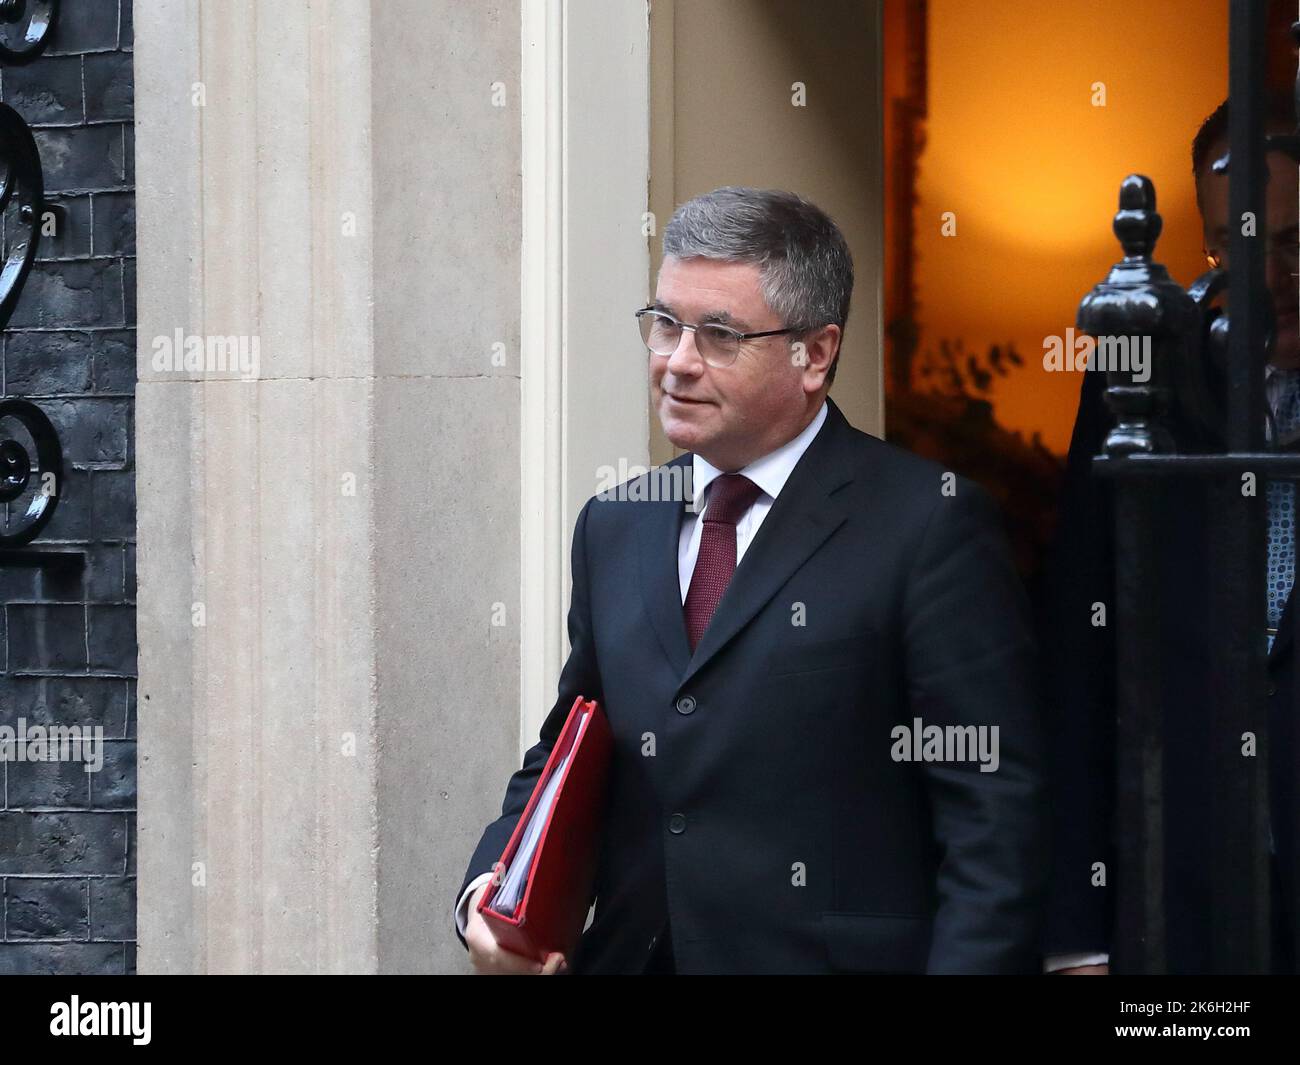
718	344
1285	246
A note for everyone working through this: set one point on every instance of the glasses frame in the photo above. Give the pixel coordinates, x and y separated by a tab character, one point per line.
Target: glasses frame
1286	243
740	337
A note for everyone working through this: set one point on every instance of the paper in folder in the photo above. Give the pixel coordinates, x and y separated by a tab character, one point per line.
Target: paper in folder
538	900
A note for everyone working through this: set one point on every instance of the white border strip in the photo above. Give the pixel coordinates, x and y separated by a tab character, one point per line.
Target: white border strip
585	109
541	337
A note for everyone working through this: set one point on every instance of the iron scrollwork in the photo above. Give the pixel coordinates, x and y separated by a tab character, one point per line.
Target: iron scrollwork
30	470
21	186
25	28
31	458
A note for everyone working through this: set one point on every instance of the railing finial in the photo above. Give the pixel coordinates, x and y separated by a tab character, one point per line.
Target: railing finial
1137	223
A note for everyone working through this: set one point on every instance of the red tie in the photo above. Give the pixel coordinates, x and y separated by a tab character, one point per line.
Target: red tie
730	495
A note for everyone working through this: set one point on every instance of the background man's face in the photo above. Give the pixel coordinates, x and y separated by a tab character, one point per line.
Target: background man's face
729	415
1280	263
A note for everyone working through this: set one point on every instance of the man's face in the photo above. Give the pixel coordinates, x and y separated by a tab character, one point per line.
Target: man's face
1280	262
735	414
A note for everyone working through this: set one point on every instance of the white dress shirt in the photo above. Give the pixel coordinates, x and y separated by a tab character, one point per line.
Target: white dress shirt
770	474
1275	382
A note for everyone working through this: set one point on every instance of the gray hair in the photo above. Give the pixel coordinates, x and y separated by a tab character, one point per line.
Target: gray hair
806	269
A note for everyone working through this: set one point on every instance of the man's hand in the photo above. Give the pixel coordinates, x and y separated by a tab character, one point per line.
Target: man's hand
1084	970
487	956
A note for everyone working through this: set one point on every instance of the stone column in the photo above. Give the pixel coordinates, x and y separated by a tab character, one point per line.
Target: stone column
326	531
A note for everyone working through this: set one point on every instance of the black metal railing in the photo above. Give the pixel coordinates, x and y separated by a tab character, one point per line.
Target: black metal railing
1188	337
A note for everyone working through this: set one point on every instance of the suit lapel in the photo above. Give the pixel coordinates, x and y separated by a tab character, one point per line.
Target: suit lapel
658	532
800	521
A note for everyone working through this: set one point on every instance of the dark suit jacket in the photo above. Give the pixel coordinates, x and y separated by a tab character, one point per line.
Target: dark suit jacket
1081	700
771	744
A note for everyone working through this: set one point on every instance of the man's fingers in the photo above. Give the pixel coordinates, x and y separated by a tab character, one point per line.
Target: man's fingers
498	960
488	956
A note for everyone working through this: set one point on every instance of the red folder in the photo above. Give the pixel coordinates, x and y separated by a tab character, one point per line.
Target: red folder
557	892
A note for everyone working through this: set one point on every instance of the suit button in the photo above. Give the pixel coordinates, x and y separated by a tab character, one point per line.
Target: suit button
677	824
686	704
1272	689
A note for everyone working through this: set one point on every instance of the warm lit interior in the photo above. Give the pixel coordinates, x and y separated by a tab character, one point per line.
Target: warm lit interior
1030	166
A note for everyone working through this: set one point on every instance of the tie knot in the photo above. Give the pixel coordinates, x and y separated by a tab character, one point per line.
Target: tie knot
730	496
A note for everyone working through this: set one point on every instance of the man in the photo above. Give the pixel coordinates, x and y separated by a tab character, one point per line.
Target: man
1080	657
1210	145
764	662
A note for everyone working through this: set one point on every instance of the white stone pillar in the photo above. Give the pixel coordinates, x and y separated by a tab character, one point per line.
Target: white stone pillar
259	766
330	602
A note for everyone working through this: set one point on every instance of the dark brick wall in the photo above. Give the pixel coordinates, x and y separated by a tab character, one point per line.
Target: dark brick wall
67	643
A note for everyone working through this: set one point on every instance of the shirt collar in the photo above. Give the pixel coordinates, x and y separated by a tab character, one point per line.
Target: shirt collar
769	472
1275	379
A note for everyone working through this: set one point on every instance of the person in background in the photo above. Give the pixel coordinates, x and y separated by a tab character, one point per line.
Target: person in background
1079	657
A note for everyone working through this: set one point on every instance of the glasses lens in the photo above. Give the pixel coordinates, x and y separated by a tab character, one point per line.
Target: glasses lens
661	334
718	345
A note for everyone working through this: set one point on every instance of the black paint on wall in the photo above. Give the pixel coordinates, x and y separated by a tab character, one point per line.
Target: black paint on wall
67	643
